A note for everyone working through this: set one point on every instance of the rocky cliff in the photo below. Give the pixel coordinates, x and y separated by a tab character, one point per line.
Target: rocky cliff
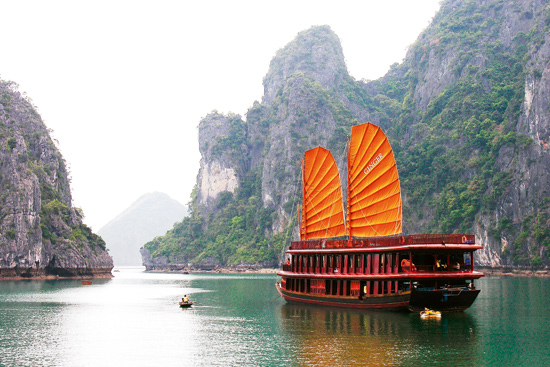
466	113
243	209
40	232
473	120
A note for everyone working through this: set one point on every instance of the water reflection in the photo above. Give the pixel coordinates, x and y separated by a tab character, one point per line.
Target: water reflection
135	320
323	336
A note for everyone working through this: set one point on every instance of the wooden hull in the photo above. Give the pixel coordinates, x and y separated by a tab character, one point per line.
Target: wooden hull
397	301
186	304
442	300
393	272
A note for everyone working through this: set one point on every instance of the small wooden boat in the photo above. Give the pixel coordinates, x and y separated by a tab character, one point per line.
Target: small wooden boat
427	313
186	304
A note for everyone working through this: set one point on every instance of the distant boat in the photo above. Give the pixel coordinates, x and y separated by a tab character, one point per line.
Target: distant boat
186	304
360	258
86	282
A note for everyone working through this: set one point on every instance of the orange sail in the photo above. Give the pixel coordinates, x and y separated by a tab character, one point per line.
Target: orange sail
374	193
323	211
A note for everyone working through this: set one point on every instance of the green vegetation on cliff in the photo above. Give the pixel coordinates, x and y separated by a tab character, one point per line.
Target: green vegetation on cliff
39	228
235	234
472	152
449	160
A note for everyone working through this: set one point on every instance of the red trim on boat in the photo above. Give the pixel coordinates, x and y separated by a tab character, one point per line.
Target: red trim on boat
392	276
385	249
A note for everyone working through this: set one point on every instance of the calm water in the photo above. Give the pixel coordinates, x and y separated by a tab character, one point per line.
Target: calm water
134	320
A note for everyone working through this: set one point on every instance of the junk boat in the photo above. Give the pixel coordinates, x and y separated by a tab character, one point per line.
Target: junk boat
360	258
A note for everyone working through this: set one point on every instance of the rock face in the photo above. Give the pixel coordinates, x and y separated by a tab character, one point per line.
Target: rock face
466	113
316	54
40	232
501	49
244	207
219	166
150	216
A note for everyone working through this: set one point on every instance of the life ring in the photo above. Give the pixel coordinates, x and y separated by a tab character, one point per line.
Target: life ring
464	239
401	240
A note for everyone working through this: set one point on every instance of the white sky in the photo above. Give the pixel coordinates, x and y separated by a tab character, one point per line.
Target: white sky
124	84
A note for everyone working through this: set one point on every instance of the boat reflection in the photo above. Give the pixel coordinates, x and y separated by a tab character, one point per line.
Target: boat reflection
332	336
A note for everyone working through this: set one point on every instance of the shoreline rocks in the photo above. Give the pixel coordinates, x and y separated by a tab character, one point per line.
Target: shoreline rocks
40	274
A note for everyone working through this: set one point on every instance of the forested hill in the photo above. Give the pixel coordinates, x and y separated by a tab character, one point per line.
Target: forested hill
466	113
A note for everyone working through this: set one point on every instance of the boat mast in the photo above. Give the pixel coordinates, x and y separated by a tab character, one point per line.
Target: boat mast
303	227
348	206
300	221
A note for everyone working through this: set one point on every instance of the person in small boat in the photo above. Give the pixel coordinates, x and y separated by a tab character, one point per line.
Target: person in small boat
185	299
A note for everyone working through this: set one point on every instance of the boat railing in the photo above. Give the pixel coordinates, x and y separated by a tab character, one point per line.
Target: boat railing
387	241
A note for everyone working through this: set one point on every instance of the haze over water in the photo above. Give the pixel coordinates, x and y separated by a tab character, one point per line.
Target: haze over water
134	320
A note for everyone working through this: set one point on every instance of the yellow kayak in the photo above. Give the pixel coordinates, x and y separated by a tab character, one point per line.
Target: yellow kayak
427	313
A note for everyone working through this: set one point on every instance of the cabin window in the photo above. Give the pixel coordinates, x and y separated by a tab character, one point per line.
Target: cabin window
456	262
467	261
334	287
402	286
368	264
317	286
355	288
368	287
441	262
424	262
378	260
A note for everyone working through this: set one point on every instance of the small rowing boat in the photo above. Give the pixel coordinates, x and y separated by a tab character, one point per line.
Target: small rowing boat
427	313
186	304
